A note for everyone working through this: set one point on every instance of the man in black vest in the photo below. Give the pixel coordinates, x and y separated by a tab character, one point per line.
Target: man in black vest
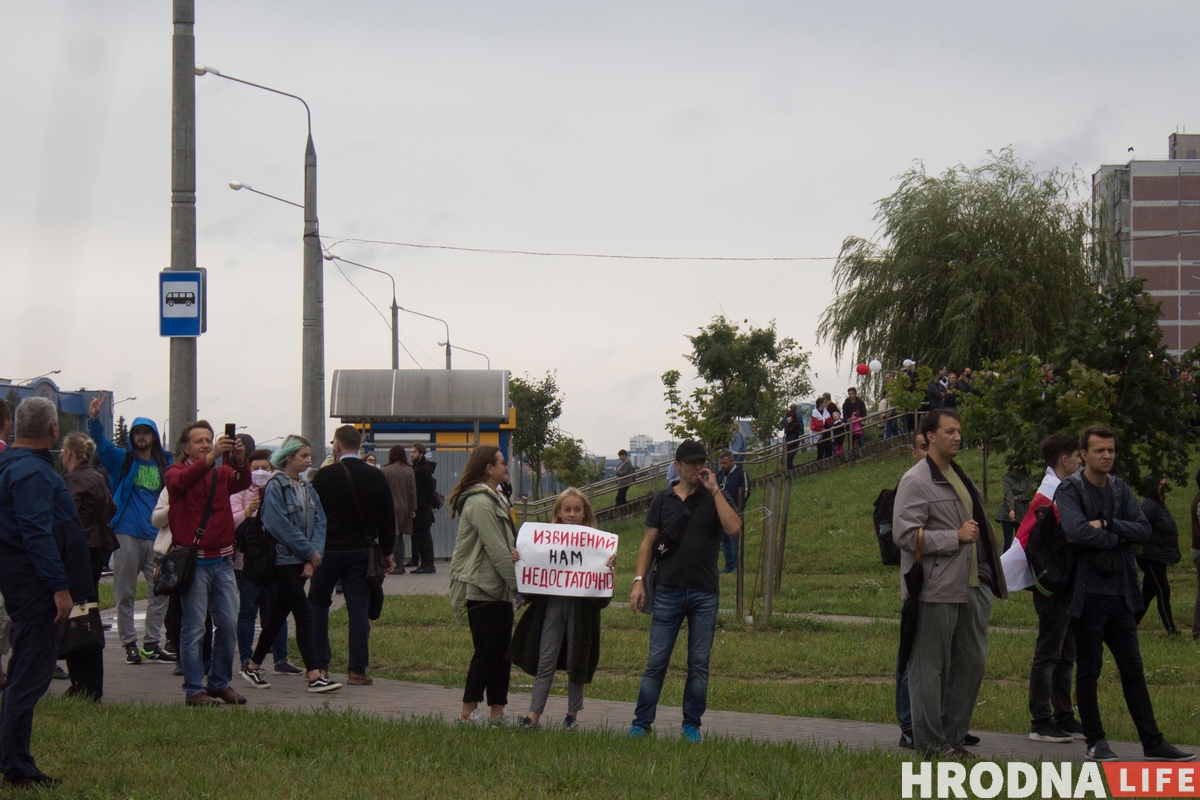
358	510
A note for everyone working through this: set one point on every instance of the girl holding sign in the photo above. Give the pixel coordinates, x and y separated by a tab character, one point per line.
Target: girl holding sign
551	621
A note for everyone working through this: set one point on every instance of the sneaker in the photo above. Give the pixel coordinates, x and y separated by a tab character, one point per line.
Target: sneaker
178	669
970	740
133	655
170	651
1073	727
1167	752
156	653
1100	751
570	723
956	754
501	720
691	733
527	722
637	732
906	741
321	684
477	717
60	674
1048	733
425	570
286	667
256	678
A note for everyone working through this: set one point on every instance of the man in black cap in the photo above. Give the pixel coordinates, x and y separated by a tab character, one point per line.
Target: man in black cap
683	539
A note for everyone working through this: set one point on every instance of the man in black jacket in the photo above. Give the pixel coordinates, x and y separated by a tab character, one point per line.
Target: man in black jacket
358	510
422	535
851	406
1102	518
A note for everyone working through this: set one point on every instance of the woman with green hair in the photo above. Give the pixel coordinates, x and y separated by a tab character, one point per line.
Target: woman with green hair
292	514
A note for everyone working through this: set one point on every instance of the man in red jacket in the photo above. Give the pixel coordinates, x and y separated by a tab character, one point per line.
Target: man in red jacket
193	483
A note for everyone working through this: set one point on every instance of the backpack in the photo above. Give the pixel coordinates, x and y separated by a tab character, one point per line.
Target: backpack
258	549
438	500
889	553
1051	557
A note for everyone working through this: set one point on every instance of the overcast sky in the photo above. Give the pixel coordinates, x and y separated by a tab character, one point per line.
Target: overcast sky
671	128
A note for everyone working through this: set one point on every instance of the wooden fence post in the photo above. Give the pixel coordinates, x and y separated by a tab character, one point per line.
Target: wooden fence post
770	526
781	527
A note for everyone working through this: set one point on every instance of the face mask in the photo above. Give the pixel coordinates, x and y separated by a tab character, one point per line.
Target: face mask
259	477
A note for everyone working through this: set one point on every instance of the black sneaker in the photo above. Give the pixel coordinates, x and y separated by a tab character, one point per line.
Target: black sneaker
428	569
1048	733
256	677
1100	751
1073	727
154	653
1167	752
321	683
906	741
970	741
60	674
133	655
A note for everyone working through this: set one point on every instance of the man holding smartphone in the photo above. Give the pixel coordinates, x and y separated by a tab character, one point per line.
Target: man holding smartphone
691	515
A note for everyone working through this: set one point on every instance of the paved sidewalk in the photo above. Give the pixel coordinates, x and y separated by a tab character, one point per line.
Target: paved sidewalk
154	683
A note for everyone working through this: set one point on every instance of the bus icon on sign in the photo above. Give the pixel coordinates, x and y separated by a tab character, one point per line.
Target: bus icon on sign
180	298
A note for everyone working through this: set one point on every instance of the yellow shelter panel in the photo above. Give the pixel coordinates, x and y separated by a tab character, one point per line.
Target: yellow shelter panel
467	437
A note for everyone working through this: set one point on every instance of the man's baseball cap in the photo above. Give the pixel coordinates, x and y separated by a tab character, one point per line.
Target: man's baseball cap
690	451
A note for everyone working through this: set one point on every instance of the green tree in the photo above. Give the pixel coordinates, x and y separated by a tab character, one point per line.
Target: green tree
120	432
567	460
538	404
975	264
751	375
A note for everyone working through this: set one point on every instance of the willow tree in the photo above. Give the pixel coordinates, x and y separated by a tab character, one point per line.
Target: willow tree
977	263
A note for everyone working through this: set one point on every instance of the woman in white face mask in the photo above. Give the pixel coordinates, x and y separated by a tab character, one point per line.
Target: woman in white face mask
255	602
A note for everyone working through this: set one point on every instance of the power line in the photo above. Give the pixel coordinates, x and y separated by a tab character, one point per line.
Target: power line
497	251
377	311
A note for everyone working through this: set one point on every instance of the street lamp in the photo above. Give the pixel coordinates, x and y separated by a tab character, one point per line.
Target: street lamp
35	377
238	186
395	308
476	352
312	362
439	319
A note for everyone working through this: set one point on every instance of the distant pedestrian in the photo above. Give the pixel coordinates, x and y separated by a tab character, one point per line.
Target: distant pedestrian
837	427
852	406
369	460
1101	517
560	632
1018	488
903	704
483	580
1160	552
95	505
43	574
199	503
791	434
402	480
293	516
624	476
358	510
737	442
692	515
817	426
735	483
422	535
891	415
935	392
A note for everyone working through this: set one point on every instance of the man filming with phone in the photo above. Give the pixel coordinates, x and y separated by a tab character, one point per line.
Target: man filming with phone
682	543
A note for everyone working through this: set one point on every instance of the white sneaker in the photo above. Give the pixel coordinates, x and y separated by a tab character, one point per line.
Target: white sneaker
504	720
477	717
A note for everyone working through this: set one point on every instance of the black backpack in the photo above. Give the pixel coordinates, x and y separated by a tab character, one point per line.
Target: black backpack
258	549
889	553
1051	557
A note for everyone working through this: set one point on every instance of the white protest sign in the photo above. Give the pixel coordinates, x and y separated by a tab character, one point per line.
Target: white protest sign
564	560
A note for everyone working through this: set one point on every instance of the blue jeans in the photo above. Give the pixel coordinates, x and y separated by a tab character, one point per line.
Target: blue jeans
671	606
891	428
350	567
213	593
729	547
255	602
34	651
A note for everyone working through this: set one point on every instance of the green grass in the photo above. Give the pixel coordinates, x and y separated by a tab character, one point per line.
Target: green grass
797	667
109	600
231	752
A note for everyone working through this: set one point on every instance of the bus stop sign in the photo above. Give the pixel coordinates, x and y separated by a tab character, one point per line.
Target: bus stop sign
182	303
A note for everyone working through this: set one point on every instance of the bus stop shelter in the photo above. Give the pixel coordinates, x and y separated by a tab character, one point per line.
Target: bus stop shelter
448	411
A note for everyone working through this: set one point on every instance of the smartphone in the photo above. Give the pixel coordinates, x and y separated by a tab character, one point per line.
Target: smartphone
230	430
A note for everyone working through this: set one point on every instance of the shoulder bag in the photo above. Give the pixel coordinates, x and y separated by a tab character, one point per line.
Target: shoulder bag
174	572
665	545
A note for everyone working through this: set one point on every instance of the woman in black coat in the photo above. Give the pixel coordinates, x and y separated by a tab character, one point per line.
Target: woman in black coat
1159	553
94	501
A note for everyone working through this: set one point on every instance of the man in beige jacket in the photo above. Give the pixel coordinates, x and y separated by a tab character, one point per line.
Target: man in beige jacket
938	506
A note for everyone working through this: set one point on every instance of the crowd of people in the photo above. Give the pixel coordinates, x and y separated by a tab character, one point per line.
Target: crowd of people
953	561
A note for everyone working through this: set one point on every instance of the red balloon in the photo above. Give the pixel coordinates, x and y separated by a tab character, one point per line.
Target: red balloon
862	369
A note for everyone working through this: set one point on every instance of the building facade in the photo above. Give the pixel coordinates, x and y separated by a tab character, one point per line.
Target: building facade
1150	211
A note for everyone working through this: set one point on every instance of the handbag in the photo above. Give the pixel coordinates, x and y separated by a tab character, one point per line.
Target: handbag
376	571
174	572
83	631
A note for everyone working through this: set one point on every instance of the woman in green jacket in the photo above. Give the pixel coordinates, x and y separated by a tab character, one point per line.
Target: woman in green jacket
483	579
1018	489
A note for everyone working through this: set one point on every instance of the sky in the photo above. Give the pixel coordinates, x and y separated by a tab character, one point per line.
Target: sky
760	129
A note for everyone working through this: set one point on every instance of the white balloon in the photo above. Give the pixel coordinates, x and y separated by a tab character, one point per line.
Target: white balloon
875	365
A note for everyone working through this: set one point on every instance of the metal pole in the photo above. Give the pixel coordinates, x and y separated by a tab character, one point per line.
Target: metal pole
182	404
395	334
312	381
447	347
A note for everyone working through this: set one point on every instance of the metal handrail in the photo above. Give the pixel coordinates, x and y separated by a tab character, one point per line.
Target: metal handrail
773	451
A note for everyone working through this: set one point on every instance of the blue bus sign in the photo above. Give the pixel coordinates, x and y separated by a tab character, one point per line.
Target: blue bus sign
181	298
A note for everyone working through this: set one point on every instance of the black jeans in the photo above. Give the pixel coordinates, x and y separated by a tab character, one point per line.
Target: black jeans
350	567
792	446
289	599
30	669
422	539
1155	587
1106	620
1053	663
87	668
621	500
491	632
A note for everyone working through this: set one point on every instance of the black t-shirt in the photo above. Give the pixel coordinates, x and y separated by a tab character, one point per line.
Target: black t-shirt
694	564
